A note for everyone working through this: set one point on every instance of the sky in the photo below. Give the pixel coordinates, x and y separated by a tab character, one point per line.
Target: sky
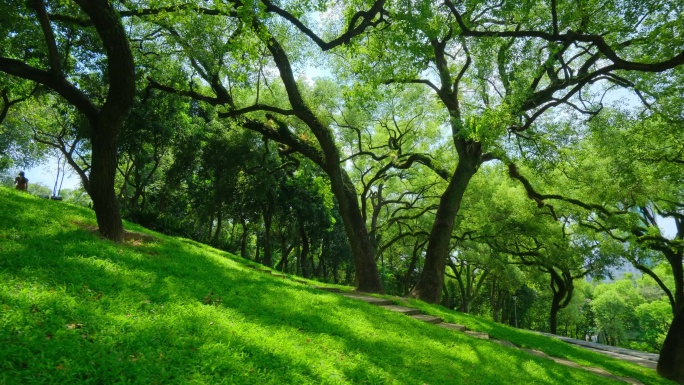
46	173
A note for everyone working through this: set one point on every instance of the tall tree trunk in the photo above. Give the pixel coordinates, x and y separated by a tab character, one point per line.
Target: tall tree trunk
417	246
218	209
563	287
304	256
553	316
431	279
367	276
121	74
285	251
102	175
671	362
219	226
243	240
210	231
257	255
268	216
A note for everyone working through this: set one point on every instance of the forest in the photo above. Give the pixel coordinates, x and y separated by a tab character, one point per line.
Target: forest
503	158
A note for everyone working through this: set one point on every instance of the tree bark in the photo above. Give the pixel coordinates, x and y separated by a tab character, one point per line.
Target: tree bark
553	316
243	240
431	279
367	276
268	216
671	362
304	254
121	74
102	175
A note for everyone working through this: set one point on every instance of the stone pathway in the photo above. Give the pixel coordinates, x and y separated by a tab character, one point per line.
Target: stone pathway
622	354
647	360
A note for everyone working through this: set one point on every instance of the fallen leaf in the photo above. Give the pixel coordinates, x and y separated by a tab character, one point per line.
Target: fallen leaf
59	367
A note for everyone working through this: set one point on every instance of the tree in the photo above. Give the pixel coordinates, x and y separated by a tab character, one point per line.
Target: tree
638	155
53	65
321	148
545	58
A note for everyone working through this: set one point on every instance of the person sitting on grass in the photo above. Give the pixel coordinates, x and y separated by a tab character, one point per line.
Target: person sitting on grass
21	181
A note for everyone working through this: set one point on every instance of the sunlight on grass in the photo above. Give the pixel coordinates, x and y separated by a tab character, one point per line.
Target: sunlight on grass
78	309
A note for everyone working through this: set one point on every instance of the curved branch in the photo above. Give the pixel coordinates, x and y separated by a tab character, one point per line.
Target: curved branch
354	28
256	107
65	89
571	37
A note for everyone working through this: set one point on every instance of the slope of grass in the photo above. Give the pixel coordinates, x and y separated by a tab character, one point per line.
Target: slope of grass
78	309
550	346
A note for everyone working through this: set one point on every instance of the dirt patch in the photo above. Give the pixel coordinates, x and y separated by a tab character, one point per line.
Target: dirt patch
132	237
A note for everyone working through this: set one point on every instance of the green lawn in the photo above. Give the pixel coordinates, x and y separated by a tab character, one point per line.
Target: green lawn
78	309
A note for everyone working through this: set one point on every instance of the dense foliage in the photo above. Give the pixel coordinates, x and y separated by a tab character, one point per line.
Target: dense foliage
489	156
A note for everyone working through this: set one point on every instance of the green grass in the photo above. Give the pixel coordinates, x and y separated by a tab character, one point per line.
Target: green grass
78	309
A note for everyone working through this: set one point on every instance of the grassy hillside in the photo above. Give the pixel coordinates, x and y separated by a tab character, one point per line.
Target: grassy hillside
78	309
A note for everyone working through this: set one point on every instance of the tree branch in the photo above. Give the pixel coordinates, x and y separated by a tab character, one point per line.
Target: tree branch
354	28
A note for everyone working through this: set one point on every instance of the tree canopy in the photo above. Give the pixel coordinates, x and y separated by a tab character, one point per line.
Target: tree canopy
481	154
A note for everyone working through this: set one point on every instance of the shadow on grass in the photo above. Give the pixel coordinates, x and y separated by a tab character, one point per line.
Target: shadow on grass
86	310
550	346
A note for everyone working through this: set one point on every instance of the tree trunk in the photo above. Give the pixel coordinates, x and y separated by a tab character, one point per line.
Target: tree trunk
412	265
121	74
102	175
211	226
219	225
268	258
257	256
553	316
367	276
562	288
431	279
243	240
671	362
304	256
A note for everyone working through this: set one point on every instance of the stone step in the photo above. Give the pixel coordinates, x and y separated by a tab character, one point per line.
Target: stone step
479	335
629	380
300	281
535	352
427	318
330	289
565	362
601	372
504	343
401	309
267	271
368	299
449	326
279	275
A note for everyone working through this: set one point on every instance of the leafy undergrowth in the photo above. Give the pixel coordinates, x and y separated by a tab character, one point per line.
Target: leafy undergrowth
78	309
